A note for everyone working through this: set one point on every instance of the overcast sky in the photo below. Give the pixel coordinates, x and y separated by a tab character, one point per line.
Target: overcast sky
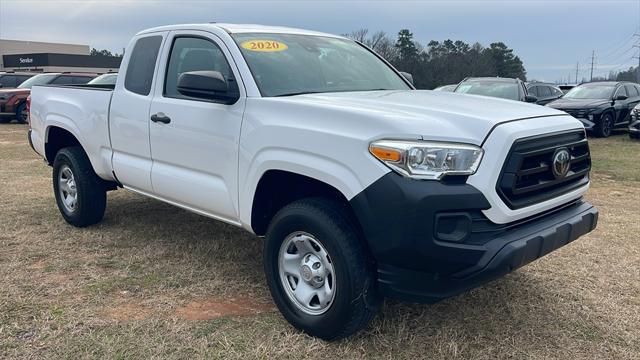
549	36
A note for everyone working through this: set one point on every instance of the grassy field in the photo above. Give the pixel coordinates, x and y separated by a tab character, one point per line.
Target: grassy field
154	281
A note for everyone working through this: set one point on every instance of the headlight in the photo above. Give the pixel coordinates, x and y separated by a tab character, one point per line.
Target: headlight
426	159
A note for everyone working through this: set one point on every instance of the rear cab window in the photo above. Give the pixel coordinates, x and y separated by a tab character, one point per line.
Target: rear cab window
142	63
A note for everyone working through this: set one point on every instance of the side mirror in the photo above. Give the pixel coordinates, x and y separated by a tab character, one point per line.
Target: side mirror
208	85
407	76
620	97
530	98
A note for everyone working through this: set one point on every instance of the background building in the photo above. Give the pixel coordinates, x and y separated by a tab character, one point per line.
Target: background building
21	55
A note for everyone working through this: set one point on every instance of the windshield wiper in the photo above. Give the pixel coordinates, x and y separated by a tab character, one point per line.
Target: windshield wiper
322	92
299	93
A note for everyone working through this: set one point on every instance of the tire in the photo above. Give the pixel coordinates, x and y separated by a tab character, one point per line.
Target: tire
634	135
354	301
5	120
73	174
604	127
21	113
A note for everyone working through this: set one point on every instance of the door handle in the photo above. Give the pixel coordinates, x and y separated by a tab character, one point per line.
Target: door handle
161	118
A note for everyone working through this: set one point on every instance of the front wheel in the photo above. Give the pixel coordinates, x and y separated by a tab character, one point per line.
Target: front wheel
604	127
80	194
318	271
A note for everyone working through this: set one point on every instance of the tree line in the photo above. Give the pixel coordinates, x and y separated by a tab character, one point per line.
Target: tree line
441	63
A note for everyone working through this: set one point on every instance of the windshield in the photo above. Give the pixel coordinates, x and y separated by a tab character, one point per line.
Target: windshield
41	79
105	79
590	92
287	64
499	89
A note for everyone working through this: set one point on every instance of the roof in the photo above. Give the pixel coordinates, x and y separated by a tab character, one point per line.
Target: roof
239	28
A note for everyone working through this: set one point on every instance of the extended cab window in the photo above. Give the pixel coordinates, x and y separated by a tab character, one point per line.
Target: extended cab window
142	65
195	54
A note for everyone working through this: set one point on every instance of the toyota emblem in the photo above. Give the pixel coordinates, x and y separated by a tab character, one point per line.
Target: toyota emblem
561	163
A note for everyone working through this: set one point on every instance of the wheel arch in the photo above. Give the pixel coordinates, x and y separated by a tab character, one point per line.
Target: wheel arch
58	137
277	188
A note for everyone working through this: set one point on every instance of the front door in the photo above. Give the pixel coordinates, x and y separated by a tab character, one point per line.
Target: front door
194	146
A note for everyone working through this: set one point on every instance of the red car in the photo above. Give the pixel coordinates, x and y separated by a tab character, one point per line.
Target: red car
13	102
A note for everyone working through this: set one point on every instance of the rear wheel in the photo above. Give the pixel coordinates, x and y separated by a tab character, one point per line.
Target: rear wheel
21	114
80	194
604	127
318	271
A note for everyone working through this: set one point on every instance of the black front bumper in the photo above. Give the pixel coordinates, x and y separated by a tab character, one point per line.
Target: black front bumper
415	261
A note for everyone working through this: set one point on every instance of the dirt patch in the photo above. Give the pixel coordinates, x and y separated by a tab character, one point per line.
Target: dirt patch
127	312
211	309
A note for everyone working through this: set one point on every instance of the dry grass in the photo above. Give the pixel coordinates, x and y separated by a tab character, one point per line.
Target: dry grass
153	281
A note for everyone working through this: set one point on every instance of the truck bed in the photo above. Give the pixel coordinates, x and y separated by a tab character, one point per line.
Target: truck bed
79	109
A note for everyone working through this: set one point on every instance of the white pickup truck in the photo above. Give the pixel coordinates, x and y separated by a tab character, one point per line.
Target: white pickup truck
362	186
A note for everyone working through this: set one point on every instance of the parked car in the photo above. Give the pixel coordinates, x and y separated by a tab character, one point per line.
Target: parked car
634	126
447	88
105	79
601	106
395	192
11	79
544	92
505	88
566	87
13	102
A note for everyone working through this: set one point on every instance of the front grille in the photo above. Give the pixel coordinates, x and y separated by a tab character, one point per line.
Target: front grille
527	177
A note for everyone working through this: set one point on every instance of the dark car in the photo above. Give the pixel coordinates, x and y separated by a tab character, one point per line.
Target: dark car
601	106
13	102
545	93
10	80
506	88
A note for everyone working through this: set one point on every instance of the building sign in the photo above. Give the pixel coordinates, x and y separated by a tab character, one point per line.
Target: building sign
63	60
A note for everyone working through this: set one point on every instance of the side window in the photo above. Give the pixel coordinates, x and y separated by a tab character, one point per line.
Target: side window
194	54
142	65
533	90
631	90
544	91
621	91
81	80
556	91
21	79
8	81
62	80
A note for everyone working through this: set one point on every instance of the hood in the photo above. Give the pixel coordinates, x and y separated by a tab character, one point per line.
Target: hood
441	115
577	104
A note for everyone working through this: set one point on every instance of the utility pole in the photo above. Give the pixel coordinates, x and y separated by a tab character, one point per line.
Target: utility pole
593	56
577	67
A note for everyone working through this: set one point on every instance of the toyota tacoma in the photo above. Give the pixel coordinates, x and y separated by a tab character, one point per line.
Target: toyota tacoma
361	186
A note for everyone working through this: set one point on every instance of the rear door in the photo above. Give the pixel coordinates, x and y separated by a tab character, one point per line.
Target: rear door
195	155
129	114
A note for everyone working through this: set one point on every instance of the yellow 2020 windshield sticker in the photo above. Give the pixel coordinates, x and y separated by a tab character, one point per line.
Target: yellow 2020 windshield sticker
264	45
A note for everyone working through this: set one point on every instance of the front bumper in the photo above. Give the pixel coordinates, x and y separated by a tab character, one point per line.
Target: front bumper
415	262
